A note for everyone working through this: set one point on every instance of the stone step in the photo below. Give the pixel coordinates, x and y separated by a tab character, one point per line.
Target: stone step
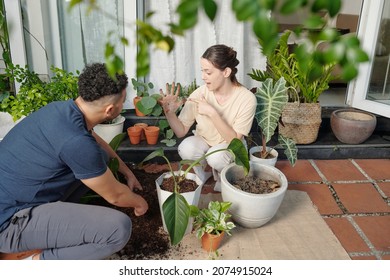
325	147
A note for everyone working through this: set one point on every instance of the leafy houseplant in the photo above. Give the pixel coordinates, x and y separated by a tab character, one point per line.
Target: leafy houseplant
212	220
271	100
176	211
35	93
148	102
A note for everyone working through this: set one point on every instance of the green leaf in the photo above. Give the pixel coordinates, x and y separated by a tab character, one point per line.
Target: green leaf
176	212
290	148
291	6
334	7
349	72
240	154
157	153
117	140
210	8
271	100
244	9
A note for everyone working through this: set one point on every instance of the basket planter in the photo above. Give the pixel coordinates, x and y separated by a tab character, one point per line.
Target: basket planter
301	122
352	126
248	209
108	131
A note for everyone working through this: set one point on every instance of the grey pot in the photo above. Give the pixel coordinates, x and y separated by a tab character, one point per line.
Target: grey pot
351	126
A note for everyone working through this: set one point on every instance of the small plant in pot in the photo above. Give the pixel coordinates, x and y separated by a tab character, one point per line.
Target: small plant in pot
212	223
146	103
271	100
176	206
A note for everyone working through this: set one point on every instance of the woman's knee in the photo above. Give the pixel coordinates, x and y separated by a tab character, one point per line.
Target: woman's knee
192	147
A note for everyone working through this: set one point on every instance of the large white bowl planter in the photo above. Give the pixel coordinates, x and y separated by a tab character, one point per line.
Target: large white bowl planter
191	197
252	210
109	131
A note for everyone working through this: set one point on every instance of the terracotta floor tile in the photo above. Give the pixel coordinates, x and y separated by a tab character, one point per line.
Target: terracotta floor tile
386	257
339	170
302	171
347	235
360	198
321	197
377	230
377	169
362	258
385	187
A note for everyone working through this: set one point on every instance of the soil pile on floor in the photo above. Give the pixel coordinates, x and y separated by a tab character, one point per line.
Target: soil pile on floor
148	239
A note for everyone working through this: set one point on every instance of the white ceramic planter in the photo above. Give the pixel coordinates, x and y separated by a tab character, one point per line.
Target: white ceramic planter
267	161
109	131
252	210
191	197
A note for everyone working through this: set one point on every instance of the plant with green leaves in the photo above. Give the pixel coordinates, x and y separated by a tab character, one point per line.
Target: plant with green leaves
306	80
148	105
35	93
271	99
176	210
213	220
113	163
167	133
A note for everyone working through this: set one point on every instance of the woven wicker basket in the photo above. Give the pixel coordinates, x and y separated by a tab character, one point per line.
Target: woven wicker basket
301	122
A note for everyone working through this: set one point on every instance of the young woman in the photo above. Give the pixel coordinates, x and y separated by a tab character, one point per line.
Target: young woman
222	108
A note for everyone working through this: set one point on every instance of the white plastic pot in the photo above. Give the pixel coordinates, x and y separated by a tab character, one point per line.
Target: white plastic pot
267	161
109	131
252	210
191	197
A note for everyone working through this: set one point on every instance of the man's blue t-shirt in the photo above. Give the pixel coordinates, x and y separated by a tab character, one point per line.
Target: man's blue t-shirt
43	155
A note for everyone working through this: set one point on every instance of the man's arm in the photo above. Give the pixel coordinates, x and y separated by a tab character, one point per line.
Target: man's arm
132	181
116	193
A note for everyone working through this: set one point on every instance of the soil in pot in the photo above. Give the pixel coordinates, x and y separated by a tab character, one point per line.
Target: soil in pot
186	185
255	185
258	154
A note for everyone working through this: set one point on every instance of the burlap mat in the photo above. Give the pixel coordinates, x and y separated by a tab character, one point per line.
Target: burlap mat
297	232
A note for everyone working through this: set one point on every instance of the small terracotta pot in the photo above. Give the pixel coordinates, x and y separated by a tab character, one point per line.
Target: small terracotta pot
151	134
135	101
134	133
211	242
142	125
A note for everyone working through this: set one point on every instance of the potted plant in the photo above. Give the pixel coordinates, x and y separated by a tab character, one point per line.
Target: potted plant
271	100
212	223
35	93
256	196
146	103
175	205
307	77
109	129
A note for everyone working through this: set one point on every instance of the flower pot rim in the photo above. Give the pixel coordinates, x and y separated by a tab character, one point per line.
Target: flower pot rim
281	190
356	111
118	121
134	128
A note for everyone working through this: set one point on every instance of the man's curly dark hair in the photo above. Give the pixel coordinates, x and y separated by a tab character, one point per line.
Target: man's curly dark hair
95	83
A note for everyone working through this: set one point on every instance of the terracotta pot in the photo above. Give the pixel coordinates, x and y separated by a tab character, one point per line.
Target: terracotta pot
352	126
142	125
134	133
211	242
151	134
137	112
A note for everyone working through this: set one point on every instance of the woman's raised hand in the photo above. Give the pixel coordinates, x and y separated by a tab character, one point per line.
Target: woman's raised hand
170	100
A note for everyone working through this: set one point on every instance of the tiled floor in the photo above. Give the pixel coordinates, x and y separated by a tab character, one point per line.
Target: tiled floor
353	197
